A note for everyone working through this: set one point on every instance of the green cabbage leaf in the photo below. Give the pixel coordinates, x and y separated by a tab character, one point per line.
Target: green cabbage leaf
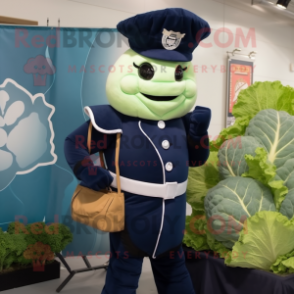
200	180
266	172
268	235
286	175
257	97
232	153
195	234
230	203
274	129
284	264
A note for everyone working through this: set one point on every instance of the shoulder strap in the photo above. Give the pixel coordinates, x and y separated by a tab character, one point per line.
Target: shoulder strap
89	145
89	137
117	147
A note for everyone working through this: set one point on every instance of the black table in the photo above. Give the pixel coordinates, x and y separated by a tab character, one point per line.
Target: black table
211	276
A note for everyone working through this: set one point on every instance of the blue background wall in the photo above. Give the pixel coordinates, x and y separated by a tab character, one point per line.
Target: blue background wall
36	183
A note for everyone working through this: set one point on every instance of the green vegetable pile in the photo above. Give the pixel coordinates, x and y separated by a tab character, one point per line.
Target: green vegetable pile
243	197
19	238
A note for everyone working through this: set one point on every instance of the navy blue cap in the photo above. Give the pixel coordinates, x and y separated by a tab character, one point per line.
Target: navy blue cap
170	34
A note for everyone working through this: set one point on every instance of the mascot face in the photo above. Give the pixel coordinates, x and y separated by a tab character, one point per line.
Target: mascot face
150	88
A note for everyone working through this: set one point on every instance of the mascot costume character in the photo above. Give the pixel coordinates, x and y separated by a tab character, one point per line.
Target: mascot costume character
150	94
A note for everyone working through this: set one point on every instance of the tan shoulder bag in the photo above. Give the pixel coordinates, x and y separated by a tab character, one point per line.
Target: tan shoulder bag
104	209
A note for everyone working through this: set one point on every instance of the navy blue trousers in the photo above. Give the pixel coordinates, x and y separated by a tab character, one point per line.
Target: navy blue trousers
170	273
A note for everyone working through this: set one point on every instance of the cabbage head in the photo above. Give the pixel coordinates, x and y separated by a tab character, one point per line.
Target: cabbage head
275	130
231	202
232	153
287	207
286	174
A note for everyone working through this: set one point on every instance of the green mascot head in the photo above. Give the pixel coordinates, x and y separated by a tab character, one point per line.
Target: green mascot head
155	79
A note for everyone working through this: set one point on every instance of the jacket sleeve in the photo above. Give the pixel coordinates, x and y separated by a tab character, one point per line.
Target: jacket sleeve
198	144
78	157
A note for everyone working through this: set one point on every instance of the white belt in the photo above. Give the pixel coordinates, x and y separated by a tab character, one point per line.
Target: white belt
169	190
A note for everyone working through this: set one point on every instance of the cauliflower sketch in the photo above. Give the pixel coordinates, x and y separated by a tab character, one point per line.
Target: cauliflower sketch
26	132
40	67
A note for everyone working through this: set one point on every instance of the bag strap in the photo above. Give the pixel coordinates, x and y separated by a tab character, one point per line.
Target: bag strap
89	145
117	147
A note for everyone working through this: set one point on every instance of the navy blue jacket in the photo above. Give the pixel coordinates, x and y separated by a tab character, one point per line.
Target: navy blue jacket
143	157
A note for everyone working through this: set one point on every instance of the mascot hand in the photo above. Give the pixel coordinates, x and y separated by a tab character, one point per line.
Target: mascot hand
95	177
199	121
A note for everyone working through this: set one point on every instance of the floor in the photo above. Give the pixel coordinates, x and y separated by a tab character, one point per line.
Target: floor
88	282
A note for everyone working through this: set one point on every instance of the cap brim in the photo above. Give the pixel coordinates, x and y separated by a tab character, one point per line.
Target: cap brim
168	55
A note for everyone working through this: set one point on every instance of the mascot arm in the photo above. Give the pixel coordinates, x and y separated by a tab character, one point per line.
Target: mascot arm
197	124
78	157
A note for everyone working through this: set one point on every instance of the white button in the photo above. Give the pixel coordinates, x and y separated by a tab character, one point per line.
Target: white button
161	124
165	144
169	166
